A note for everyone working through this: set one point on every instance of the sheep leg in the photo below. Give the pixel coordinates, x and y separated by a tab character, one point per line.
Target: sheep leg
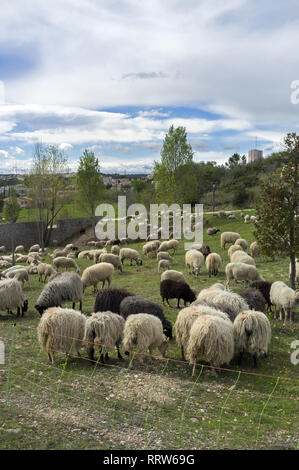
182	353
18	312
80	306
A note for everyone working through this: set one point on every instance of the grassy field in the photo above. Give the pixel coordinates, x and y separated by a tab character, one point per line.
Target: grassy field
156	404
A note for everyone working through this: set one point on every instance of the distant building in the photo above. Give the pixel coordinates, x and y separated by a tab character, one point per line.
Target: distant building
254	155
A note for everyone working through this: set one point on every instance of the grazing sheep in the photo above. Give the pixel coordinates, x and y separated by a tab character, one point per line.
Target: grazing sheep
135	304
65	287
34	258
212	339
109	299
115	250
255	249
61	330
164	255
243	243
242	257
149	248
264	288
212	231
173	245
132	255
112	259
85	254
46	270
2	249
5	264
19	249
185	320
247	219
22	258
232	217
229	237
229	302
285	298
97	273
64	262
20	275
163	264
144	331
255	299
104	330
34	249
194	260
232	249
170	289
163	247
213	263
12	296
96	254
173	275
252	333
242	272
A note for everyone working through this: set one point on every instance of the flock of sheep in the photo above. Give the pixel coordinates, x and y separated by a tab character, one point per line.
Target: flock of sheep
217	325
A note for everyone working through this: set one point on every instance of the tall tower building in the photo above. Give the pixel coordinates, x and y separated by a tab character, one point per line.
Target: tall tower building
254	155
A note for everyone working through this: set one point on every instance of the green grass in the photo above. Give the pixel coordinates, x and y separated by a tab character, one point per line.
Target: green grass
154	405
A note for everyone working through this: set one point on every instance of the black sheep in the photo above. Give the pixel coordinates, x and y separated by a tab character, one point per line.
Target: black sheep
134	304
255	299
170	289
264	288
109	299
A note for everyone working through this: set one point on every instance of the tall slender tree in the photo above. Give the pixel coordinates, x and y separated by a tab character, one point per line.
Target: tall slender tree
11	214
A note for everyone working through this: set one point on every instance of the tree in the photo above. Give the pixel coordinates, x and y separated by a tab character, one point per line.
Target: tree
89	183
11	213
278	228
174	177
48	187
235	160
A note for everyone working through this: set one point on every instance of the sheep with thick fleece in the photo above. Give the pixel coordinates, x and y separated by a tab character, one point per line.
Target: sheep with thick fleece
264	288
164	255
12	296
252	333
115	250
170	289
97	273
109	299
226	301
132	255
242	257
64	262
255	299
194	260
20	249
112	259
85	254
46	270
285	298
144	331
96	254
149	248
34	248
242	272
65	287
243	243
173	245
185	320
61	330
211	339
20	275
163	264
229	237
232	250
213	263
163	247
255	249
104	330
173	275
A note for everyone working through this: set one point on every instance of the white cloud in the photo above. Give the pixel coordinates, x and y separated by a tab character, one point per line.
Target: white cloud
65	147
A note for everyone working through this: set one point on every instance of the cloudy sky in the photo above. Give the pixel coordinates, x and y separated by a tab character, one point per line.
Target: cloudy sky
113	75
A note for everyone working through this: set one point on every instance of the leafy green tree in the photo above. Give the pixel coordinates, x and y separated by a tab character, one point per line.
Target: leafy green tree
11	214
138	185
235	160
278	228
89	183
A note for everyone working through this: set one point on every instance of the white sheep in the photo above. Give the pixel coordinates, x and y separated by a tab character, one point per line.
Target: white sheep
97	273
164	255
132	255
145	332
242	257
20	275
64	262
12	296
243	243
194	260
285	298
163	264
19	249
85	254
242	272
252	333
173	245
149	248
61	330
112	259
232	249
2	249
173	275
229	237
34	249
226	301
46	270
213	263
247	219
115	250
104	330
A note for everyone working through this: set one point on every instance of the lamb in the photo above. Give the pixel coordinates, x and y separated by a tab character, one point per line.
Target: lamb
212	339
12	296
104	330
132	255
242	272
229	237
65	287
232	249
213	263
264	287
243	243
97	273
285	298
185	320
109	299
64	262
115	250
145	332
135	304
173	275
164	255
46	270
61	330
252	333
112	259
212	231
242	257
163	264
255	299
223	300
170	289
255	249
19	249
194	260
